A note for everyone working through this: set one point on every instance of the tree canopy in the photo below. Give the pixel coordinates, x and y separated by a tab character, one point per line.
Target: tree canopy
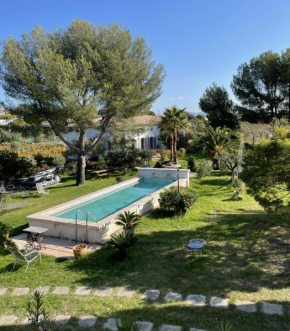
80	77
219	108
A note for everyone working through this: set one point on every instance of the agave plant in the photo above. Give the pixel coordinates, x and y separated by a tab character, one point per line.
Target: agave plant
121	242
225	326
128	221
127	325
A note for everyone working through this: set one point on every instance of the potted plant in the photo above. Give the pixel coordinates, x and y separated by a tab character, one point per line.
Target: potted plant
128	221
80	250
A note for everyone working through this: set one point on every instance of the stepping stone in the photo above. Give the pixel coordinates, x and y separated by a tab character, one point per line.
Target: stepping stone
126	292
61	290
43	289
111	324
21	291
247	306
196	329
8	319
219	302
83	290
172	296
272	308
104	291
87	321
196	300
62	319
170	328
145	326
151	294
3	291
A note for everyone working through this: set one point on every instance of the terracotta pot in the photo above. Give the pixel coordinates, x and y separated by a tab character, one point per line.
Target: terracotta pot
80	250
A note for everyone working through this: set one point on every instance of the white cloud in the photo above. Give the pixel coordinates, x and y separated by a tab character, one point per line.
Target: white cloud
180	98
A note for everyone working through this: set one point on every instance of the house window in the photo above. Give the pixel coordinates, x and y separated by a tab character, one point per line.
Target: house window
151	143
142	143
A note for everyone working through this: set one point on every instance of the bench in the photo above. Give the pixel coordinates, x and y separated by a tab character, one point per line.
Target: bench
100	173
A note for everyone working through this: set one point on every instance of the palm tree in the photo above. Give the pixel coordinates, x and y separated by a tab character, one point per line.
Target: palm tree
173	121
216	140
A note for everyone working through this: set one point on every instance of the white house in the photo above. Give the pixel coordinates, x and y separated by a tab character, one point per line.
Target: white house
142	131
5	121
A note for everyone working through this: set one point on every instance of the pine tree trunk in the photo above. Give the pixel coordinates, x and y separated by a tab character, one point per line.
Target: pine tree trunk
81	164
175	146
81	170
172	148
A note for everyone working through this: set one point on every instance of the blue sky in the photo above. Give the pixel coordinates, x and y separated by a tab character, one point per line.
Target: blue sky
198	41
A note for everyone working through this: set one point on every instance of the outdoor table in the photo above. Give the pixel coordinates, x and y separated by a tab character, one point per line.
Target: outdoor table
198	241
195	247
35	237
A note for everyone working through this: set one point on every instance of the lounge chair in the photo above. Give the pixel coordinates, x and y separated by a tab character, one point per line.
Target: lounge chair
27	258
40	189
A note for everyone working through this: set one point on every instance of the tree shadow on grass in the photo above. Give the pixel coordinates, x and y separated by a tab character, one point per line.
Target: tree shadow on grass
244	253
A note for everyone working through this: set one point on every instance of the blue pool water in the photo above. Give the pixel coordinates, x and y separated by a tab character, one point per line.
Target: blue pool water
112	202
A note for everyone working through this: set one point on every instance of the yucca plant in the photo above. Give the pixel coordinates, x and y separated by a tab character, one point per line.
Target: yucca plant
225	326
121	242
128	220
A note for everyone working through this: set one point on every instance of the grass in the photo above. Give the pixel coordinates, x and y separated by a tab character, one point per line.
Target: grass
247	259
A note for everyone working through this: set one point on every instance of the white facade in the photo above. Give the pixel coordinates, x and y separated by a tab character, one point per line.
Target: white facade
147	139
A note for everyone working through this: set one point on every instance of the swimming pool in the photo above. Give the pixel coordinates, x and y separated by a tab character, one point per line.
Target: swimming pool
115	201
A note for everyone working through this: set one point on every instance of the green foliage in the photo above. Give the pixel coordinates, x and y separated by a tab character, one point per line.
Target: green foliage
128	220
91	77
165	155
266	172
219	108
181	152
119	179
59	160
5	242
128	158
127	325
121	243
9	137
12	167
37	315
262	87
170	200
191	164
204	168
225	326
173	121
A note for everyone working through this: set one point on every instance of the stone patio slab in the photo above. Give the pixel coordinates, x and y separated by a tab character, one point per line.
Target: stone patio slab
43	289
151	295
126	292
111	324
24	322
7	319
193	329
83	290
87	321
173	296
196	300
219	302
62	319
3	290
20	291
166	327
61	290
247	306
145	326
103	291
272	308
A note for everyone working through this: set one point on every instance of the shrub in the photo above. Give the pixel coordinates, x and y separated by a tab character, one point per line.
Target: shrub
5	242
127	325
145	157
181	152
177	203
128	220
165	155
191	164
204	168
122	242
59	160
119	179
15	146
70	168
37	315
158	165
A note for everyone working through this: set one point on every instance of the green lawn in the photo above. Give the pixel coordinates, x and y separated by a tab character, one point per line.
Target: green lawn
247	258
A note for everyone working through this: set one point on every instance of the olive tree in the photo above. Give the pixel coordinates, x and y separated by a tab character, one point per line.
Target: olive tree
78	78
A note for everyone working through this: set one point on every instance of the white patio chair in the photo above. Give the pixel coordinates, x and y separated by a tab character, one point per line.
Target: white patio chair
27	258
40	189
